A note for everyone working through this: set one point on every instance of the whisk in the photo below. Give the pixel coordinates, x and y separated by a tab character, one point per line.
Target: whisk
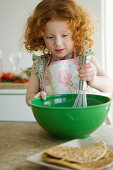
81	100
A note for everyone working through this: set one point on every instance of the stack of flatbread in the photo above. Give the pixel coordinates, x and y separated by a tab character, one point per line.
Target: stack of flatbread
96	156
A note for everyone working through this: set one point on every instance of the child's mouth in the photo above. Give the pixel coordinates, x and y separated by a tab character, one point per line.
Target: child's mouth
59	50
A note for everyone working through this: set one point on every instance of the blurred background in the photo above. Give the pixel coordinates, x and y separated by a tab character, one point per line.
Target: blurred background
15	59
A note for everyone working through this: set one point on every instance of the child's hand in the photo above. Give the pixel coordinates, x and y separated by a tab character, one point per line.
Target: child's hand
41	94
88	72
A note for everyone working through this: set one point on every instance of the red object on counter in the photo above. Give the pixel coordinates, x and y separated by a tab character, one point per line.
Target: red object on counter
25	81
11	77
17	81
20	81
8	76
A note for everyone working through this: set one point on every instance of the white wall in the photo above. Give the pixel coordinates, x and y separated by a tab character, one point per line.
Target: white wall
109	46
13	15
109	37
96	9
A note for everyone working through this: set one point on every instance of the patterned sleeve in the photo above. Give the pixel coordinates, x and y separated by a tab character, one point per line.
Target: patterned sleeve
36	62
39	63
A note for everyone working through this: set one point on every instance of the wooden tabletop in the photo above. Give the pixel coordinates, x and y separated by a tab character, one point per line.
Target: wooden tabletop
19	140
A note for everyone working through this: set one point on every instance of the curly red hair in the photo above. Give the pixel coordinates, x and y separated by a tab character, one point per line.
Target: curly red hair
79	21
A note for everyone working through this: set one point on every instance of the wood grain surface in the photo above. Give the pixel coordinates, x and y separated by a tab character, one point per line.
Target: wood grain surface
21	140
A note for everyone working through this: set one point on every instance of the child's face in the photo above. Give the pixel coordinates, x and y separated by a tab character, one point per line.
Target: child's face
58	38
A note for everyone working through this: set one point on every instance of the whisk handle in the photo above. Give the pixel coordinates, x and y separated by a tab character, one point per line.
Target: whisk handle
83	84
86	59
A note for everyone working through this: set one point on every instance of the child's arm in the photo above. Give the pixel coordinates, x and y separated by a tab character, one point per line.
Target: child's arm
33	88
96	77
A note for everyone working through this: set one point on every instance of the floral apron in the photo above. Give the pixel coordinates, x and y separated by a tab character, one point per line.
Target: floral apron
61	77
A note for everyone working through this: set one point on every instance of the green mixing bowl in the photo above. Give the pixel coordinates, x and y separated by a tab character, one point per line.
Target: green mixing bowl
57	116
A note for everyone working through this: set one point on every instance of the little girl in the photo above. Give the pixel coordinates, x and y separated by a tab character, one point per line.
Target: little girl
60	29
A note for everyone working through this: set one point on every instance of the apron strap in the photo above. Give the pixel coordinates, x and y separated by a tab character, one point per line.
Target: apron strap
45	73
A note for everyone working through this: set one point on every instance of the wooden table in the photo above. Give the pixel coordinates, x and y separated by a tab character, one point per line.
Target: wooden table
19	140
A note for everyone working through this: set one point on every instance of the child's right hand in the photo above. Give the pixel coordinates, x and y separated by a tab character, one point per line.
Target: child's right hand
41	94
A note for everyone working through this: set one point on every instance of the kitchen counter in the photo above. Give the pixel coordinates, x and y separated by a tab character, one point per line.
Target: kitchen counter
19	140
13	85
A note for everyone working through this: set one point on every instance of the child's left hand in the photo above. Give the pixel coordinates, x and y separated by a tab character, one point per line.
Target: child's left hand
88	72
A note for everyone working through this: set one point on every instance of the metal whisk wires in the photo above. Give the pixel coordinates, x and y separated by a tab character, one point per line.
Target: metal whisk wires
81	99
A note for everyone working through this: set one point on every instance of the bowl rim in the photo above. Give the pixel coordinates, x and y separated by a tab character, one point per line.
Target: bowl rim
58	95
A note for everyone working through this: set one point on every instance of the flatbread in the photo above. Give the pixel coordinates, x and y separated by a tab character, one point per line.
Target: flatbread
102	163
79	155
94	157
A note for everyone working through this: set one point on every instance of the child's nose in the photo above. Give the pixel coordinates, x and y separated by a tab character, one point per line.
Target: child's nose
58	41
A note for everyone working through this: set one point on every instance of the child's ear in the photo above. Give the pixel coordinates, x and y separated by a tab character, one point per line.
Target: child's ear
46	51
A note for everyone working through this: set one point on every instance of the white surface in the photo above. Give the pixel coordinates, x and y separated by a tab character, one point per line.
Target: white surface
13	106
12	91
96	9
104	133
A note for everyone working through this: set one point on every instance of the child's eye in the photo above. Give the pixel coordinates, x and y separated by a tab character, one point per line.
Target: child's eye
64	35
50	37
